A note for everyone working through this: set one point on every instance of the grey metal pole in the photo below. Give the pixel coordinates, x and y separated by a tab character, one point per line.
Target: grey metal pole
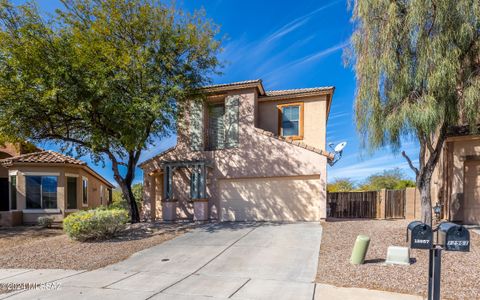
437	269
430	273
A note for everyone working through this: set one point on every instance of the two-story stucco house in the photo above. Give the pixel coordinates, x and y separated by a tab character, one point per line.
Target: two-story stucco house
244	154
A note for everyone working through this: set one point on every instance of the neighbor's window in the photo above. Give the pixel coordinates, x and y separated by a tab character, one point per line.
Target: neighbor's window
85	191
109	196
71	192
13	192
41	192
101	194
291	120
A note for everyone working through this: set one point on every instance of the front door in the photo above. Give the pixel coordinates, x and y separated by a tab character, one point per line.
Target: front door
472	192
4	206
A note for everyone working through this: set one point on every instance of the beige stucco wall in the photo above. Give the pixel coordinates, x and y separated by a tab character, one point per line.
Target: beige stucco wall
448	177
258	156
315	120
7	150
94	197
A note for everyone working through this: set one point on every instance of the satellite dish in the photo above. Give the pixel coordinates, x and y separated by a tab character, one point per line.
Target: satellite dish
338	149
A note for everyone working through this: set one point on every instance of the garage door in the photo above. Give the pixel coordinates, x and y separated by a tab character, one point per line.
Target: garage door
272	199
472	192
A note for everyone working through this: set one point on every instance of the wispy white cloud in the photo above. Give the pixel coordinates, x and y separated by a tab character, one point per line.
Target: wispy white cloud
361	170
337	115
287	28
297	23
256	54
269	62
321	54
306	60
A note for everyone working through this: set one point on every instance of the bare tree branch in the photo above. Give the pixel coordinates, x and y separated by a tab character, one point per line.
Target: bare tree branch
410	163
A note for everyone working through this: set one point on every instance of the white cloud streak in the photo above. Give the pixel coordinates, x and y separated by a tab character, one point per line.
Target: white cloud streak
297	23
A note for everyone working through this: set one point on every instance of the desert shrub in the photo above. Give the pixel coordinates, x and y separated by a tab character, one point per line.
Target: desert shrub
45	222
95	224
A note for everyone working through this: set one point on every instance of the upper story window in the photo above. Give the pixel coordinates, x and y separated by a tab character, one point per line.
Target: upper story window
291	120
215	125
41	192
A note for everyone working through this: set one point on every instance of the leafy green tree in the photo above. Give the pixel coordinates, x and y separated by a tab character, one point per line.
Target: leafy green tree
417	67
393	179
102	77
341	185
119	201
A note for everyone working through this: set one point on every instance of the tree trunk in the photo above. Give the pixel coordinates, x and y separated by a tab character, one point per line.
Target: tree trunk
126	182
426	202
128	194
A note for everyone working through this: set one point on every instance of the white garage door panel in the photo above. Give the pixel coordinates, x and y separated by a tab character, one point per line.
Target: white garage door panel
272	199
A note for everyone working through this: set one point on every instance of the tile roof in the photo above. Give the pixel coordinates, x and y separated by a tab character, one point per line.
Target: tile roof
461	130
265	94
233	83
296	143
140	165
298	91
48	156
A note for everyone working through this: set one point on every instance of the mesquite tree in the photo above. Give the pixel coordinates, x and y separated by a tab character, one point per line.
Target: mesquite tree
417	67
101	77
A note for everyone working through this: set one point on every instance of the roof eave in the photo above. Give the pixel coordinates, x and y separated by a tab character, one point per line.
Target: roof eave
293	95
217	89
44	164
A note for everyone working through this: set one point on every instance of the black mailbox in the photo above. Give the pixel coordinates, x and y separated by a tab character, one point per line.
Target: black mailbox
421	235
453	237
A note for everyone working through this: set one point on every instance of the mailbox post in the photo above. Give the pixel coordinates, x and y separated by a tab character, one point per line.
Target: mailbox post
450	237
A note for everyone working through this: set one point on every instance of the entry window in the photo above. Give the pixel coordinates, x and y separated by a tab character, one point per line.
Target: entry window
13	192
41	192
71	192
84	191
291	120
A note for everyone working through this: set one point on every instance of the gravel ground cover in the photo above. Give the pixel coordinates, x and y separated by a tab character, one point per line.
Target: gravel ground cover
460	271
36	248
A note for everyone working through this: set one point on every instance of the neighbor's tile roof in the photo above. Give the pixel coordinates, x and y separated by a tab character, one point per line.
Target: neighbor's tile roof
298	91
461	130
47	156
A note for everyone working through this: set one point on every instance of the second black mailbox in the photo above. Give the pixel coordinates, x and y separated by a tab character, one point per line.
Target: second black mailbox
453	237
420	234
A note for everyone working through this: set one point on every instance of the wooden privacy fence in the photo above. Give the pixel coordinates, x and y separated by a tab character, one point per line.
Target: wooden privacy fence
383	204
352	205
395	204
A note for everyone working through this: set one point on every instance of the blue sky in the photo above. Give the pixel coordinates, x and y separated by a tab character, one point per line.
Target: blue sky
288	46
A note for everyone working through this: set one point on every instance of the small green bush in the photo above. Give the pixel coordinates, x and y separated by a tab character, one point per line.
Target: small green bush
45	221
95	223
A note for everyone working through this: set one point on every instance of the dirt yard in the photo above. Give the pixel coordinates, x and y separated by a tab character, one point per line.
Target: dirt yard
36	248
460	271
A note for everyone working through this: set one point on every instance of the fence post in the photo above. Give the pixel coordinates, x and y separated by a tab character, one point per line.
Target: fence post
381	202
410	203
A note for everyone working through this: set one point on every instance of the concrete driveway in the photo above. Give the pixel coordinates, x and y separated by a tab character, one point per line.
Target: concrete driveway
219	261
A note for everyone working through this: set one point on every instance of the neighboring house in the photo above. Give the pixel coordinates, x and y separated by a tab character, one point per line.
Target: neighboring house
456	179
245	154
47	183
